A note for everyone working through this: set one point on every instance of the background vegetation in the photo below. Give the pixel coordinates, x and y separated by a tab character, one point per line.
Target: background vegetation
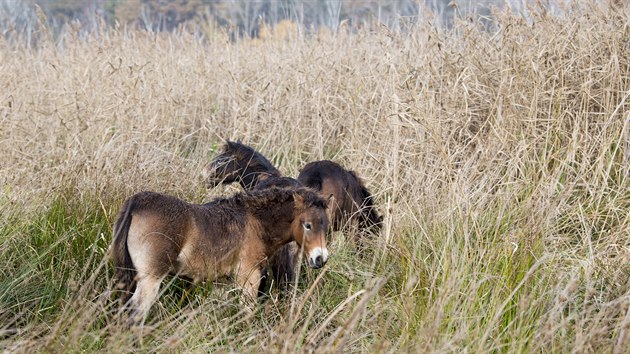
240	18
499	156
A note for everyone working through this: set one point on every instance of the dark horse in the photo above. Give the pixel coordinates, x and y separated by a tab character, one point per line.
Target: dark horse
240	163
351	199
156	235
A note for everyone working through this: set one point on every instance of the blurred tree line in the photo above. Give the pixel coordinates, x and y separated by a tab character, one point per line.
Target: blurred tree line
237	17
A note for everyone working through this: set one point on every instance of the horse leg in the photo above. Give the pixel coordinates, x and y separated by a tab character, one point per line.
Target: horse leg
248	278
264	274
150	251
283	264
147	290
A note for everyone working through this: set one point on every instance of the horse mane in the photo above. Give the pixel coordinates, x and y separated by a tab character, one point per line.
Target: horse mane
280	182
254	159
260	199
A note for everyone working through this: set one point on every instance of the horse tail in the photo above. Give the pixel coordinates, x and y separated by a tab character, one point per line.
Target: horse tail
125	270
369	216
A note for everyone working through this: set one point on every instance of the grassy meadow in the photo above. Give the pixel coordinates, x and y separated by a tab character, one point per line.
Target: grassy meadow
499	158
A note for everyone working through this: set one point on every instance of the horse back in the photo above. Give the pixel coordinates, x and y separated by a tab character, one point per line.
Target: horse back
351	195
330	178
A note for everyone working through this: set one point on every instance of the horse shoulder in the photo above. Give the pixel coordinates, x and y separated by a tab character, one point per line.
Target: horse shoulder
254	248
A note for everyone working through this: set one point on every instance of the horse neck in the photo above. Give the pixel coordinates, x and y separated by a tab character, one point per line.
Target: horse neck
252	175
276	220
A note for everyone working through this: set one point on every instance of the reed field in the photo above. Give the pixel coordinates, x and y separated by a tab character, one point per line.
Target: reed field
499	155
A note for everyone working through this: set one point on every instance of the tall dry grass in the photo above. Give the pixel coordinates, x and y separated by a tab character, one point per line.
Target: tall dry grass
499	159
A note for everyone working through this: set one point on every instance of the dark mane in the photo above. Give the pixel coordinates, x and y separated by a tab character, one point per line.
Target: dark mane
256	161
263	197
281	182
240	163
311	198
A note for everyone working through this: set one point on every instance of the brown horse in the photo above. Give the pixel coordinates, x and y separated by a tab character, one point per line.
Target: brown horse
156	235
352	199
241	163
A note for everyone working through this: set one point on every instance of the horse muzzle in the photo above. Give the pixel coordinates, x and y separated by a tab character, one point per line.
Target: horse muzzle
317	257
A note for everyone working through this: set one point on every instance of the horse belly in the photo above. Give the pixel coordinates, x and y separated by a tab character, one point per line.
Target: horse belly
199	264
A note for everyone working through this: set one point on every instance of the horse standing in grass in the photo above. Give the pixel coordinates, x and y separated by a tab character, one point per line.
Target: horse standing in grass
350	198
241	163
156	235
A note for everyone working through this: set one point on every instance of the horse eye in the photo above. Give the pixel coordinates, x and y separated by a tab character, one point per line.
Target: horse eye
307	226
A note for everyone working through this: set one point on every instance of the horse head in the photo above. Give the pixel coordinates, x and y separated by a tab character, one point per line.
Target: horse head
310	226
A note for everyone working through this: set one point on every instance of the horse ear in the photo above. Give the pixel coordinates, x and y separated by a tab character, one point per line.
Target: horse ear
298	199
331	207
